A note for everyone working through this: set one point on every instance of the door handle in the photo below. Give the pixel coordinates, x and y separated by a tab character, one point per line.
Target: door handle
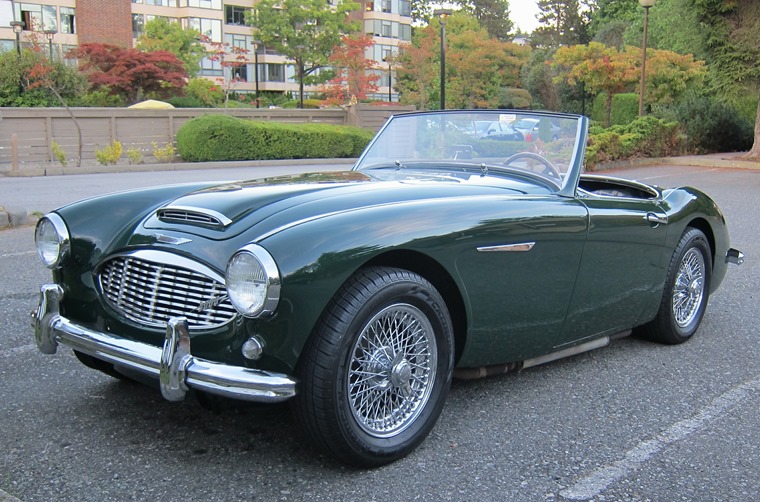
656	219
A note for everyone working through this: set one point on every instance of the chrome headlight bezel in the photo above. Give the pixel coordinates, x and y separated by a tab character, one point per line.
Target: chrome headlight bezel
249	269
52	240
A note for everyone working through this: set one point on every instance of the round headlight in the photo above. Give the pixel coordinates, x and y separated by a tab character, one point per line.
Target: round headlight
52	240
253	281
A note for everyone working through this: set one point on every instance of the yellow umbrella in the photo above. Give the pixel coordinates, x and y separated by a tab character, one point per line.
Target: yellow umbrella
152	104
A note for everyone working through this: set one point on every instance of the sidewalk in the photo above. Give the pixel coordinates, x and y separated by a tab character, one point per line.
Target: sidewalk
11	216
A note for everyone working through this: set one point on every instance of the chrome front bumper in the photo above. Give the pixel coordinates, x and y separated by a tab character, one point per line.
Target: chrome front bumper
176	369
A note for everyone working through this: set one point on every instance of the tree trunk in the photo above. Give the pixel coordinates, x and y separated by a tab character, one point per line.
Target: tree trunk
754	153
608	104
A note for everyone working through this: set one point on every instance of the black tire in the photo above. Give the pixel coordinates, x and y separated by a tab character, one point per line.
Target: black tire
687	289
360	356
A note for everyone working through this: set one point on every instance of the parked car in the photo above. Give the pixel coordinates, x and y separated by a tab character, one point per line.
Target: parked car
358	295
530	128
498	130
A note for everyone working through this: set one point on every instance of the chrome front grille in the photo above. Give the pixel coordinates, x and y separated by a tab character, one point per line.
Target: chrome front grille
152	292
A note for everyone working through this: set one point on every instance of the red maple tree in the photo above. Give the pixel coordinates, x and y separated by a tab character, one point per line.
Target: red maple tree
352	81
131	73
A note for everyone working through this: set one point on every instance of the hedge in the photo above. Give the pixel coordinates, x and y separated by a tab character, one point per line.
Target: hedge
625	108
644	137
220	138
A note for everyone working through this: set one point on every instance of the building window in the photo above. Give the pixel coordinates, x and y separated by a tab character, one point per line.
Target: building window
68	20
205	4
38	17
405	8
406	32
234	14
211	68
162	3
239	72
138	25
212	28
275	73
385	5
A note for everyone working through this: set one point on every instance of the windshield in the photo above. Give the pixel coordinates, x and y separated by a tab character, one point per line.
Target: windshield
533	144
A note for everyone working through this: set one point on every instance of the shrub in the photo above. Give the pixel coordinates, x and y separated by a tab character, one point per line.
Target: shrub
644	137
58	153
134	155
625	108
186	102
712	126
110	154
205	91
220	138
166	153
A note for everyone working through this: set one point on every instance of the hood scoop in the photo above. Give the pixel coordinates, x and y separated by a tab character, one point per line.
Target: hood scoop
193	216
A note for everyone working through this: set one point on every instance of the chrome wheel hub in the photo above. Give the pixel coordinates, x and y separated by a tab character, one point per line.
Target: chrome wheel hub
392	370
689	288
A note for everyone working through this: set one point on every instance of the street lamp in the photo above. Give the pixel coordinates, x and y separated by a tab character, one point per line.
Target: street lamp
443	14
647	4
18	27
256	45
50	34
388	60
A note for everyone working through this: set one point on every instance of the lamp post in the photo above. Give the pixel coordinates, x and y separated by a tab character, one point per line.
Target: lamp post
390	78
443	14
647	4
18	27
50	34
256	45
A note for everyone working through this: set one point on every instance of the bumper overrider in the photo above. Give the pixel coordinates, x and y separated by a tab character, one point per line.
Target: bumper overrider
173	365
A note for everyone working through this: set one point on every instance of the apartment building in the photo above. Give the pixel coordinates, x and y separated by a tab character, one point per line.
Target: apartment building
64	24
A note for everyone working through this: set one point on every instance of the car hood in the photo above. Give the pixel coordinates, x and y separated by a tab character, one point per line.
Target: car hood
265	205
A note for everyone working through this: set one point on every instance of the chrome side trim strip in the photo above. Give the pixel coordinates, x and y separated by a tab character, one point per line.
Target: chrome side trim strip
508	248
173	365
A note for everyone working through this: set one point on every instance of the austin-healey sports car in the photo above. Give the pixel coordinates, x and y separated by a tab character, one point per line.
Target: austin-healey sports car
357	295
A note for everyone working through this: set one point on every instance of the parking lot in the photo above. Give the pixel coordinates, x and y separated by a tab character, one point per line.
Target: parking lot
633	421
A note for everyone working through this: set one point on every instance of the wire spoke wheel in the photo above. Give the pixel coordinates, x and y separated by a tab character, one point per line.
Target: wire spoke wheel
689	288
377	369
393	364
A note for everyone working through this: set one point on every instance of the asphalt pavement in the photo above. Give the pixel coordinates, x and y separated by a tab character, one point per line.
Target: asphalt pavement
635	421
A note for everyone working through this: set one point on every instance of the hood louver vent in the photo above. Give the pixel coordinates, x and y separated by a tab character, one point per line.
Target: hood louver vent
192	216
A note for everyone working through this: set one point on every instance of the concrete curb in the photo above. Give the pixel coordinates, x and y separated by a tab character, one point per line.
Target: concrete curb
725	160
12	217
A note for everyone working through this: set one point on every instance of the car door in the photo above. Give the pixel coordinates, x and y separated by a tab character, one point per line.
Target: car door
518	267
623	256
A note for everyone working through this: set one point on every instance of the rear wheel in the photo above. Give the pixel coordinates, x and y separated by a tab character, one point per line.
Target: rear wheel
687	288
375	374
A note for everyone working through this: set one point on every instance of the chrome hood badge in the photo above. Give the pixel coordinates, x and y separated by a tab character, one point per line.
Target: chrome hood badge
167	239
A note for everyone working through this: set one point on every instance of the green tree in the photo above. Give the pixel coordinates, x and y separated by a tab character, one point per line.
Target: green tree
599	68
17	75
604	12
731	31
305	31
493	15
562	24
162	35
477	66
605	69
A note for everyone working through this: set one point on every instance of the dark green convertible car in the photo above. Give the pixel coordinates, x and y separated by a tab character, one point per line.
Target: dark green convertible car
358	295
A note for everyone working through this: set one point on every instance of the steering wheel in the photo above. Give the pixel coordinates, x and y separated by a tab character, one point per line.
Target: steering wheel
548	167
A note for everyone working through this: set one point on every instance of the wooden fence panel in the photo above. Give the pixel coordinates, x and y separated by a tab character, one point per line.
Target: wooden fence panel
36	128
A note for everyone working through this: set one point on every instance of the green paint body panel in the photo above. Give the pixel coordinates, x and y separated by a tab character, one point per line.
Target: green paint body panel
596	265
